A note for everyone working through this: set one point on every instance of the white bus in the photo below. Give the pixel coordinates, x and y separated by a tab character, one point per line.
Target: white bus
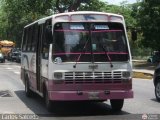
77	56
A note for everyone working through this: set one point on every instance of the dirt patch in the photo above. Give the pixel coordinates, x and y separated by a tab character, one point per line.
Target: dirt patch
142	75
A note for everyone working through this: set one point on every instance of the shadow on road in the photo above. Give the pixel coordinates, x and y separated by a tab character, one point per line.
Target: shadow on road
155	100
67	109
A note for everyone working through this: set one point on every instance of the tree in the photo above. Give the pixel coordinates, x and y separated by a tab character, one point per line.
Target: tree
15	14
75	5
93	5
67	5
149	21
124	9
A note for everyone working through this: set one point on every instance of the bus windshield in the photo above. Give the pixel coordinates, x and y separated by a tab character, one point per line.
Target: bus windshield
85	39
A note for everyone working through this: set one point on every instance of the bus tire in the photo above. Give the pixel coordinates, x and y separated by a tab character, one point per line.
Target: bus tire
117	104
48	103
28	91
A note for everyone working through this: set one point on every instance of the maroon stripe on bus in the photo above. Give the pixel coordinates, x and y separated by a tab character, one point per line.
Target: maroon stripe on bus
71	31
90	53
88	31
108	31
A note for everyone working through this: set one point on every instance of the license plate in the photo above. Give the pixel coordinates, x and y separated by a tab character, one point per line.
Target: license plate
93	67
93	95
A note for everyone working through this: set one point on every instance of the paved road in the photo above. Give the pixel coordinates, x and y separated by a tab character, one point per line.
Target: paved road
144	101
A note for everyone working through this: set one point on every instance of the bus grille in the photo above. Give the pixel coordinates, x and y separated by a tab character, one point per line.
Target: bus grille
93	77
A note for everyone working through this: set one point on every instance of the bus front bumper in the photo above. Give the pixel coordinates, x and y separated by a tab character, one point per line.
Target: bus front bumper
89	95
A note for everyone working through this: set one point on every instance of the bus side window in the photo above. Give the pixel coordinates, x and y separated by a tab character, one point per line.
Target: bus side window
25	39
48	31
48	34
31	38
45	51
47	38
29	41
34	37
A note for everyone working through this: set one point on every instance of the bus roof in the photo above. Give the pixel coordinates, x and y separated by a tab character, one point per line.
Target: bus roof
86	12
42	20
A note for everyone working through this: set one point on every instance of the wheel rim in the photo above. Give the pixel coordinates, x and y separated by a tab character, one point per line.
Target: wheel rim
158	90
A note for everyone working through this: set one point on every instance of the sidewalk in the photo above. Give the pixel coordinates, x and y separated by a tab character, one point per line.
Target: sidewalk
143	69
143	66
143	74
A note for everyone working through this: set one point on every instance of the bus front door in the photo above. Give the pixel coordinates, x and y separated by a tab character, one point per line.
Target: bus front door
38	56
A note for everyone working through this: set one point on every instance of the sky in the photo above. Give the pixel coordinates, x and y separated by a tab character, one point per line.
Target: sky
116	2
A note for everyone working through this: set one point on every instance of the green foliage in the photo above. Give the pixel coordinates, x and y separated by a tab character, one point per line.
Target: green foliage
93	5
15	14
149	21
124	9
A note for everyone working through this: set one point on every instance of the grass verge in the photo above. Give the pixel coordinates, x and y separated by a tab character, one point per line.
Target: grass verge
142	75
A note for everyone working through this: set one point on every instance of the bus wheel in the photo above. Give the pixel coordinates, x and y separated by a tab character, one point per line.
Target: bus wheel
117	104
48	102
28	91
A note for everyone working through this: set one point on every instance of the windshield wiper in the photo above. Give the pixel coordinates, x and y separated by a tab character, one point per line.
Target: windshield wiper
107	55
83	51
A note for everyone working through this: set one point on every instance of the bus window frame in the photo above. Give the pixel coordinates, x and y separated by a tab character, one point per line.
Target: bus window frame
25	39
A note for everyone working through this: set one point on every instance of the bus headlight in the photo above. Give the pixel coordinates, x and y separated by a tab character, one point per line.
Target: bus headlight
58	75
126	74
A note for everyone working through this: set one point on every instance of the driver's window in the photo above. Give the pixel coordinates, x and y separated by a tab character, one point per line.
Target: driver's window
47	39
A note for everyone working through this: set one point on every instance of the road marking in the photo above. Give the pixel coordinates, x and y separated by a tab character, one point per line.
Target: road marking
17	72
4	95
8	112
18	66
9	68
